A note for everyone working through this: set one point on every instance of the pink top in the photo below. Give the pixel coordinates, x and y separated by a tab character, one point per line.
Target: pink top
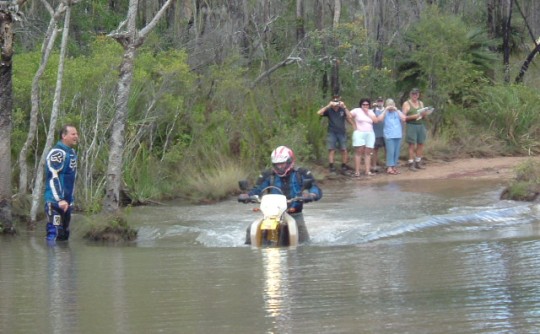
364	123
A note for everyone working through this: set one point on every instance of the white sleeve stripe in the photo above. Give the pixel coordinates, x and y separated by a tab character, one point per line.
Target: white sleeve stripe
50	157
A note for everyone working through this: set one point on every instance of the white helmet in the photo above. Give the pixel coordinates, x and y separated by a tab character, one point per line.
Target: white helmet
282	160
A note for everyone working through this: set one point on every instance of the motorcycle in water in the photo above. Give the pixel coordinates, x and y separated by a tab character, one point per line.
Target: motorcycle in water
276	228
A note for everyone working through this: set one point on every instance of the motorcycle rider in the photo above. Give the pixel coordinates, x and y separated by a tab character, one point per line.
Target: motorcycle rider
289	179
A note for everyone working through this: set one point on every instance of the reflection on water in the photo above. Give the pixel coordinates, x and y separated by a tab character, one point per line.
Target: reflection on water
62	280
275	275
276	294
423	257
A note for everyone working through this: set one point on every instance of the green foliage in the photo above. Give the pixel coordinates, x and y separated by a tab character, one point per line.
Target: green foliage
145	178
372	82
25	66
160	101
517	191
93	18
462	137
348	46
528	171
225	85
445	57
526	184
511	111
343	43
194	129
111	228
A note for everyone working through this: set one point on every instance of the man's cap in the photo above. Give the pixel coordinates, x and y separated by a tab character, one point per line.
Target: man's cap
415	90
380	98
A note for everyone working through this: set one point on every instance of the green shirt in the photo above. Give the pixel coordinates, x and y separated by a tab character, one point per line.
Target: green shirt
414	111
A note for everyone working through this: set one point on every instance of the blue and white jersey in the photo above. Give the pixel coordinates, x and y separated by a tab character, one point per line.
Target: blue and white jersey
290	185
60	171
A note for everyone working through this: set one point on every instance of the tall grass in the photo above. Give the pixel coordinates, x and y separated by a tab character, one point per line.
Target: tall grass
146	180
512	112
215	182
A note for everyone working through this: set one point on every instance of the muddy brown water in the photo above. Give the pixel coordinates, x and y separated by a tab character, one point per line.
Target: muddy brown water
418	257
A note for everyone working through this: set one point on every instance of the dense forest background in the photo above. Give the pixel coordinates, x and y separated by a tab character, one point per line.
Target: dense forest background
219	83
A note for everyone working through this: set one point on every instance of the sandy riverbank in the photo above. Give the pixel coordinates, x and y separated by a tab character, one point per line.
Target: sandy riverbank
502	168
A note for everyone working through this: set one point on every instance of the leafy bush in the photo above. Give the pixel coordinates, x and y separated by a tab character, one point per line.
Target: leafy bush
526	185
114	228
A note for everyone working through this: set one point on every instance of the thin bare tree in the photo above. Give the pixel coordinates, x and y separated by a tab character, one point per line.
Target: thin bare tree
48	44
335	84
37	192
9	13
300	21
507	27
533	53
337	13
131	39
379	34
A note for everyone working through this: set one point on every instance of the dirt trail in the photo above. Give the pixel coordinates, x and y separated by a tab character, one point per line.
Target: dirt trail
470	168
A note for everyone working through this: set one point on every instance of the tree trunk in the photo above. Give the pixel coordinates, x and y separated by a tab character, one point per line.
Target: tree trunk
48	44
528	61
334	72
128	40
131	39
379	36
506	40
336	86
300	21
6	108
37	193
319	14
337	13
534	52
114	169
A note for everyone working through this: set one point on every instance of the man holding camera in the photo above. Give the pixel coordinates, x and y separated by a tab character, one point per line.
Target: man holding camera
337	114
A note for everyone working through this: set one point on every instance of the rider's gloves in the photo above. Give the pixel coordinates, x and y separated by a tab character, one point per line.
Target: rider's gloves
244	198
308	197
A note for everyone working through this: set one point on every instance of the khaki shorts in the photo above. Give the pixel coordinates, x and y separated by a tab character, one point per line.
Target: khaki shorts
416	133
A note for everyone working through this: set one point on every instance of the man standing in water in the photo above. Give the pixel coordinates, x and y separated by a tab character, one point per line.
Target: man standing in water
61	171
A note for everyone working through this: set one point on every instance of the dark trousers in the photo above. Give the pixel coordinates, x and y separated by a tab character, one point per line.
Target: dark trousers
57	222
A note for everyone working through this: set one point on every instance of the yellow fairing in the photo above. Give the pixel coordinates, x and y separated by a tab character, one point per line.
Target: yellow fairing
270	224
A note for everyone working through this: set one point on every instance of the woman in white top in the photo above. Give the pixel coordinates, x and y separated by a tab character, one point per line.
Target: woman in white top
363	136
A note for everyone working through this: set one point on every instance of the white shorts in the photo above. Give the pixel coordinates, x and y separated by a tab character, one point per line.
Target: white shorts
366	139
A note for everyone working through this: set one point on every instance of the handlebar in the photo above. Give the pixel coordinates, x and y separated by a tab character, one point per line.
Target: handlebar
305	199
257	199
250	199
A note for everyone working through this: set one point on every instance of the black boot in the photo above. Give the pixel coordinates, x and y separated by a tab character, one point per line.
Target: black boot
412	167
331	168
345	168
419	165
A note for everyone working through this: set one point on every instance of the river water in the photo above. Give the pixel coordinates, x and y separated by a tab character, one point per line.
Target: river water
399	257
